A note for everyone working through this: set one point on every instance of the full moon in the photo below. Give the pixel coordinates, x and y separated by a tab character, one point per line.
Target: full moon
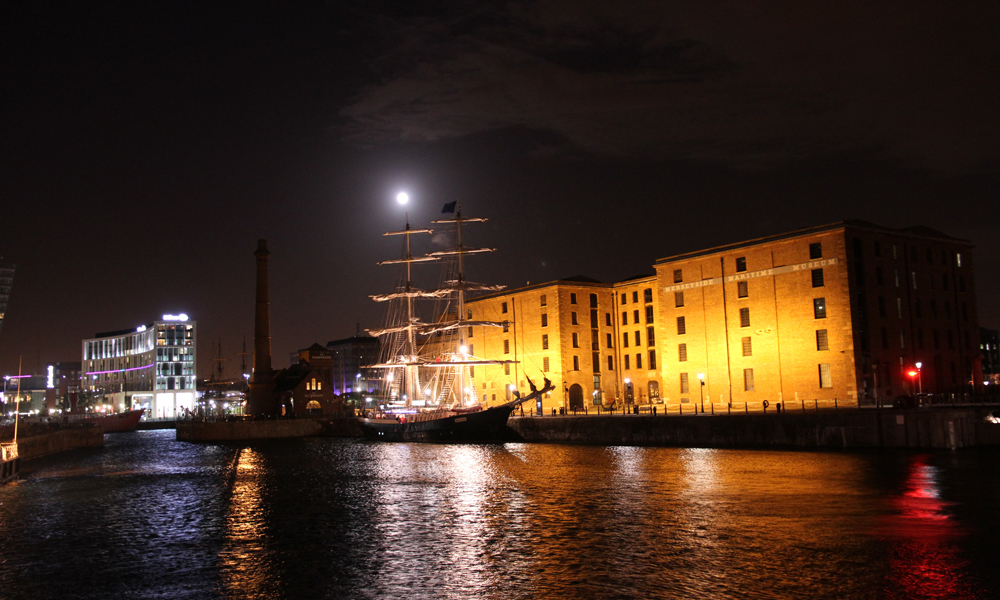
402	197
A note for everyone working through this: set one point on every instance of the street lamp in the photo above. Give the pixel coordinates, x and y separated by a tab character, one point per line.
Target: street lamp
701	378
920	382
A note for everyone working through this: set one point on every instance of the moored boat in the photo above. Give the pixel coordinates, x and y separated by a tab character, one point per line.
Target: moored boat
460	425
426	396
111	423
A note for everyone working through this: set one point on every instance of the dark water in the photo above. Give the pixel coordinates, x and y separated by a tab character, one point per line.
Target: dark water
149	517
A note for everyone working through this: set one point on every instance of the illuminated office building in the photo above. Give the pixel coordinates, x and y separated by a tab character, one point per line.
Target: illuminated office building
151	367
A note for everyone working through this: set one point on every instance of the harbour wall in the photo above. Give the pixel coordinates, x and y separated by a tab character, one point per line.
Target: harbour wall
59	441
234	431
918	428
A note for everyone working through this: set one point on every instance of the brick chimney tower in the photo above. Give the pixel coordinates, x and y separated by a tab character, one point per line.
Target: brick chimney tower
261	399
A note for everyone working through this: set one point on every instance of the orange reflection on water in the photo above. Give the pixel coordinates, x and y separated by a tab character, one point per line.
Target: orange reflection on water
245	561
925	561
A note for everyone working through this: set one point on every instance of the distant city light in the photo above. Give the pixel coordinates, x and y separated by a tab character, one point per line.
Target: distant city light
402	197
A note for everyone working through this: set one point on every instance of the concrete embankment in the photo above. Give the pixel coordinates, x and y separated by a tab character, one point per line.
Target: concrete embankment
59	441
920	428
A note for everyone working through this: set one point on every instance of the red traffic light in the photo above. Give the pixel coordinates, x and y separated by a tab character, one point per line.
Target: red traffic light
912	373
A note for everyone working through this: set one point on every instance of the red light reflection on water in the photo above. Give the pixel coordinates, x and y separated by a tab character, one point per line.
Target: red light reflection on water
924	559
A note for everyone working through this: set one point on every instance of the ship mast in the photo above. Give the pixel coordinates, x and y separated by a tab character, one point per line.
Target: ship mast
411	384
460	286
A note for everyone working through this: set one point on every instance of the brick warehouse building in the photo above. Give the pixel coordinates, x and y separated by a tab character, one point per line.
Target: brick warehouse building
843	311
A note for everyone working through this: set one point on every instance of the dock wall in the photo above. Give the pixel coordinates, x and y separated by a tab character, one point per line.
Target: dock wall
59	441
233	431
919	428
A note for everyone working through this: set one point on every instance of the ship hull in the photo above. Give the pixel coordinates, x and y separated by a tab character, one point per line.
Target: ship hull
116	423
488	425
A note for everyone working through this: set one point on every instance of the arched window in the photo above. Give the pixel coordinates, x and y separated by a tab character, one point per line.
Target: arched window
654	391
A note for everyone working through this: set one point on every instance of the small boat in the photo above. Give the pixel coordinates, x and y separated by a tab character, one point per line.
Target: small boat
111	423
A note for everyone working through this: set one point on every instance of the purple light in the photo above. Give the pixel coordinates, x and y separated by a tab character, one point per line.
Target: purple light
117	370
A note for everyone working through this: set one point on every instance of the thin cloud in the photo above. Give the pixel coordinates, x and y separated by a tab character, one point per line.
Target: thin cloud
745	85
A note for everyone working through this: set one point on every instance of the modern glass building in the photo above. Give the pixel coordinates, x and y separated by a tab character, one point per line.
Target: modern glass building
151	367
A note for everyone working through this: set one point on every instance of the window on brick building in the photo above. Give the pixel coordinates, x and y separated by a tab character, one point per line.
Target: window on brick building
625	340
611	341
545	363
572	318
572	298
649	314
506	369
819	308
647	295
815	250
637	338
822	340
741	264
825	380
611	363
545	320
545	341
748	380
681	327
635	296
678	276
506	346
627	363
817	278
744	317
682	352
652	360
624	298
742	289
650	336
635	316
544	300
576	340
678	299
576	363
593	301
638	361
624	317
747	346
607	319
685	388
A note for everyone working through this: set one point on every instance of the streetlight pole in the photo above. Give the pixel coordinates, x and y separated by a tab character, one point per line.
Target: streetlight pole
920	382
701	379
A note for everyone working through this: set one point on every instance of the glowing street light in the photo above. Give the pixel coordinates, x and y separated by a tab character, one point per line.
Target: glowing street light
701	378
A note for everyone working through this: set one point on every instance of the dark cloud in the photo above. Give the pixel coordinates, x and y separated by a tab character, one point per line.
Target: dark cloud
744	84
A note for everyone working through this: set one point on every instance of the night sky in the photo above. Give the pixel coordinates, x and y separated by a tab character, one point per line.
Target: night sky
147	146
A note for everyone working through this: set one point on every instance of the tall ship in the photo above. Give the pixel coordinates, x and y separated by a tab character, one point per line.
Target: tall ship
425	394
